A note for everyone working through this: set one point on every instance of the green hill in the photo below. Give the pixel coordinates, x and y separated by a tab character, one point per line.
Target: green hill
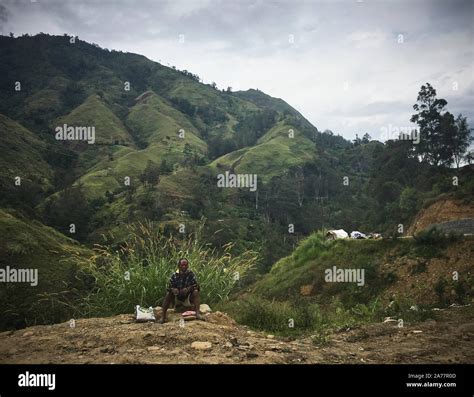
28	244
274	153
25	174
94	113
22	153
419	271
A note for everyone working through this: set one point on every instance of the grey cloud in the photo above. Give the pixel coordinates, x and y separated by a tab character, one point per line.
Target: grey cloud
3	14
248	42
373	109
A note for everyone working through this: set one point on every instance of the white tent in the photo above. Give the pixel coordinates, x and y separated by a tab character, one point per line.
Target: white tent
336	234
357	235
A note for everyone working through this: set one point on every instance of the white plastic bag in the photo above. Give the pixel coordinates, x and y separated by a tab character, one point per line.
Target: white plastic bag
144	314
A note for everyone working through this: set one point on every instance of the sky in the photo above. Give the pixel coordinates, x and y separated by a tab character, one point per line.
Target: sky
351	66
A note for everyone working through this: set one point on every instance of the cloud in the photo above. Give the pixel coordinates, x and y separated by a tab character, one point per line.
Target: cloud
341	64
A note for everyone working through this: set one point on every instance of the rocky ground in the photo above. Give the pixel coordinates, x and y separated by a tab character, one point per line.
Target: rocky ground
449	339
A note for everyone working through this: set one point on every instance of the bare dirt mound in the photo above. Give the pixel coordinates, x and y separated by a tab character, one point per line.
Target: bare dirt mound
417	277
448	339
439	212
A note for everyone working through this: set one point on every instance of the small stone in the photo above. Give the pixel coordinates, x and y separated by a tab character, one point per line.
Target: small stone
306	290
417	331
465	337
201	345
228	345
28	334
361	349
252	355
271	336
153	348
107	349
204	309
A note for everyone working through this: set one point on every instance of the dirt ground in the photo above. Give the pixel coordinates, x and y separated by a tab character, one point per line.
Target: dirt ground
441	211
448	339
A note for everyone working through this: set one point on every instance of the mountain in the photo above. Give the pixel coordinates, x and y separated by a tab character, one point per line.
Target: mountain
162	138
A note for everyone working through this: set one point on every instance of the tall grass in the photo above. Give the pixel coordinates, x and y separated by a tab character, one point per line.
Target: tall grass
137	271
298	317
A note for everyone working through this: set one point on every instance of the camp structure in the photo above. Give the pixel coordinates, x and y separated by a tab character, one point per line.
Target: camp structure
336	234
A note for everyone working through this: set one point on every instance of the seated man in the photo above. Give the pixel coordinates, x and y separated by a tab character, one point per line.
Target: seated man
184	287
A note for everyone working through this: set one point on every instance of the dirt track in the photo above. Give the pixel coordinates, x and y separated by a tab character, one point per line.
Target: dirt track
449	339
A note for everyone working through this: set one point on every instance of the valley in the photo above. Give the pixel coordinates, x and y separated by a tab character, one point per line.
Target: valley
154	165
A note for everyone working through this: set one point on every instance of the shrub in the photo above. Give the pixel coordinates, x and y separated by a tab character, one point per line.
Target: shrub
274	316
284	318
434	236
137	272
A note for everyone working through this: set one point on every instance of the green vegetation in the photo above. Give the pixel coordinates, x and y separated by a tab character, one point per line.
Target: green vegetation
169	135
313	256
277	297
93	112
31	245
22	156
432	242
138	271
300	317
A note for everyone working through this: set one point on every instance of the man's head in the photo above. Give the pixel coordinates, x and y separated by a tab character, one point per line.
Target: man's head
183	265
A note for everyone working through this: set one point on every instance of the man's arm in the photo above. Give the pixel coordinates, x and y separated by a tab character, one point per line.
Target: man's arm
173	285
192	283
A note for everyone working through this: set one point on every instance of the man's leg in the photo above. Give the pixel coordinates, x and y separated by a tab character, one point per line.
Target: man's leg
197	303
166	305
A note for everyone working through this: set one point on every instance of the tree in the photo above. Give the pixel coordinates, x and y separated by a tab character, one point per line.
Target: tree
409	202
462	140
366	138
357	141
69	207
109	196
165	168
73	95
470	157
188	155
436	128
447	129
151	174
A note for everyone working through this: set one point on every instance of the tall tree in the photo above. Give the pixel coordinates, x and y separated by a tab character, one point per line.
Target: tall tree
151	174
462	140
436	128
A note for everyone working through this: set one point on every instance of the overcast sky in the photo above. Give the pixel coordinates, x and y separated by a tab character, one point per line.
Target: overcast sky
348	66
